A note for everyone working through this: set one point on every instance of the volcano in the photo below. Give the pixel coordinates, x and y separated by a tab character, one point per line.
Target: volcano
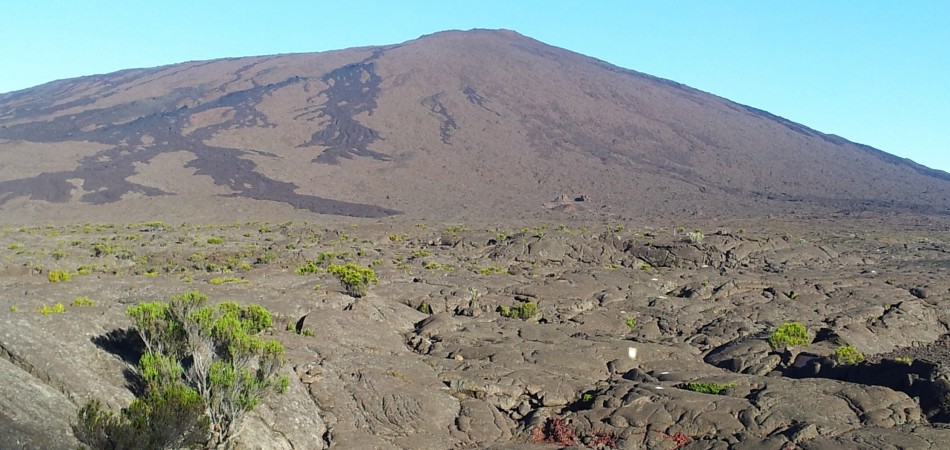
458	125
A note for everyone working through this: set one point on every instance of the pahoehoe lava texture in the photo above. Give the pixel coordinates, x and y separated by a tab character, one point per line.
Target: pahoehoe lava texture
104	175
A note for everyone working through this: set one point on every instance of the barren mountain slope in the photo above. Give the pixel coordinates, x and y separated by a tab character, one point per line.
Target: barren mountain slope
457	125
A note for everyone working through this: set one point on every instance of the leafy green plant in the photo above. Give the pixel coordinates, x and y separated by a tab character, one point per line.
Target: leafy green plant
83	301
215	240
14	308
631	322
58	308
523	311
308	267
354	279
493	270
421	253
57	276
789	334
167	417
223	280
229	365
695	237
709	388
424	308
848	355
455	229
433	265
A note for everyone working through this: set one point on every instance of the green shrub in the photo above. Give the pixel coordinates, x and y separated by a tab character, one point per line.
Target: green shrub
848	355
455	229
907	360
631	322
55	309
424	308
83	301
493	270
695	237
308	267
167	417
229	365
215	240
709	388
354	279
523	311
421	253
789	334
56	276
223	280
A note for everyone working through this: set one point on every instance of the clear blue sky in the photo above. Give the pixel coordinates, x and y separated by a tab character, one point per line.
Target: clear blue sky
875	72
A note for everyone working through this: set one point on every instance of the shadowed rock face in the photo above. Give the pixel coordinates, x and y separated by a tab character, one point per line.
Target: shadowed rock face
478	124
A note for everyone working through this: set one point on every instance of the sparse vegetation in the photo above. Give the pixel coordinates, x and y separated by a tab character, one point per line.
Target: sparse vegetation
631	322
695	237
83	301
354	279
57	308
523	311
789	334
223	280
904	360
230	366
421	253
848	355
58	276
493	270
708	388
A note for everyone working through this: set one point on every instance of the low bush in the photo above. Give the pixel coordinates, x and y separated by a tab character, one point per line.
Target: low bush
57	276
848	355
708	388
789	334
83	301
58	308
354	279
523	311
203	369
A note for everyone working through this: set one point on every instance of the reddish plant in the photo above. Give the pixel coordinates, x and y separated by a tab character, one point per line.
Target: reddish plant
555	430
680	439
603	439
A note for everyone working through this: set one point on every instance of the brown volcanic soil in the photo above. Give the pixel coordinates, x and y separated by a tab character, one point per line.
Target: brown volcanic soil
377	372
475	125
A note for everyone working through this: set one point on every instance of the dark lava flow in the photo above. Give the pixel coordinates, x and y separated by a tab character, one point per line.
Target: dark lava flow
105	174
